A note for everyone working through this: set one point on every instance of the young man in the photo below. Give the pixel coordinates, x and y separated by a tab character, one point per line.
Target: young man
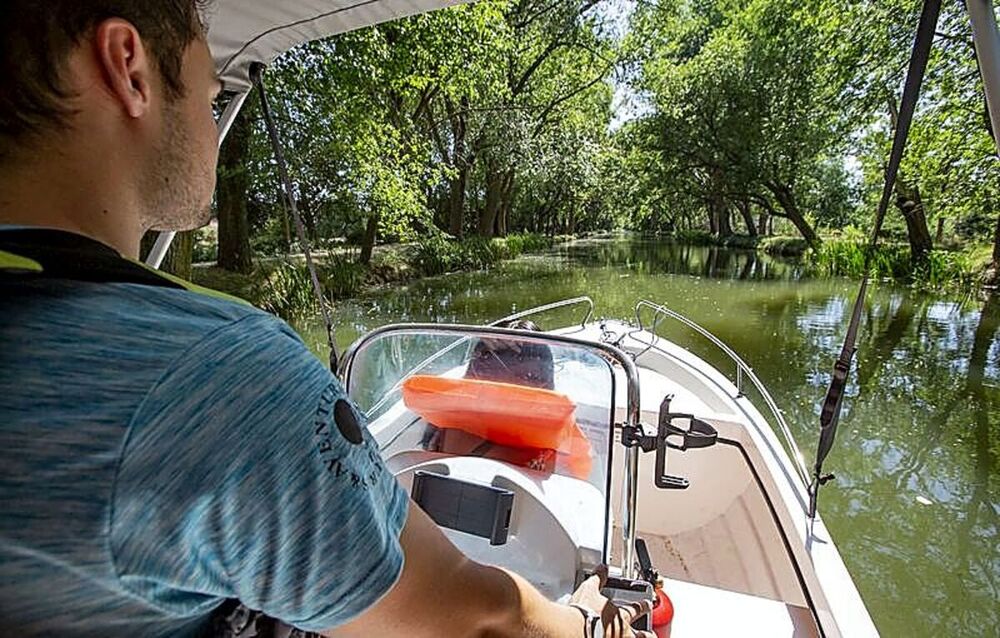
163	450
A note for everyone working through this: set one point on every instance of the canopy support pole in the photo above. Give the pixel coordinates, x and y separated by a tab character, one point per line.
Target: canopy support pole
830	410
164	239
986	38
257	75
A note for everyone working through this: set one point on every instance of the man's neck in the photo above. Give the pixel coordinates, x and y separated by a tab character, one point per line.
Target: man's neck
118	238
84	203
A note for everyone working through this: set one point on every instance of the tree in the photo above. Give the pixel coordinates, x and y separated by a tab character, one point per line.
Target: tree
947	174
742	97
232	195
178	259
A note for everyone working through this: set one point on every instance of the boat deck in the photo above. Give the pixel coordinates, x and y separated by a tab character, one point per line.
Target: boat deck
701	611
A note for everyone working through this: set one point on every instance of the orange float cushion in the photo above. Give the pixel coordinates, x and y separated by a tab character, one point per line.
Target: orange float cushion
503	413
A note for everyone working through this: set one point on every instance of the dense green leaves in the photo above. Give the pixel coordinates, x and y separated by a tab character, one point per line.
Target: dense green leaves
790	106
483	118
497	117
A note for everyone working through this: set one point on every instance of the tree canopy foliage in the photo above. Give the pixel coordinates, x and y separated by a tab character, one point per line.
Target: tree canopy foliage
499	116
788	108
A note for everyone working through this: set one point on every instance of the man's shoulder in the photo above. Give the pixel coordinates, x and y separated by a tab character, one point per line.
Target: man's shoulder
173	312
210	328
135	329
196	308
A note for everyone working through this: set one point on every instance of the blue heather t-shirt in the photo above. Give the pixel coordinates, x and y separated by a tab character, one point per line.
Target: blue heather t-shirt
163	451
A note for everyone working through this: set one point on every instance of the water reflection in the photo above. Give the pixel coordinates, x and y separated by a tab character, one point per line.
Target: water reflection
915	508
660	257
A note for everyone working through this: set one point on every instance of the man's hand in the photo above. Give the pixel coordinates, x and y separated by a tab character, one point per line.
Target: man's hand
616	620
443	593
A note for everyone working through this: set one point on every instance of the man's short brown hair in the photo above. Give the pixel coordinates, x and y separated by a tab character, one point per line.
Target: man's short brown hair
36	36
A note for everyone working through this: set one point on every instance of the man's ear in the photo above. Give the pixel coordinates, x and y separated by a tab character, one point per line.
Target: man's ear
127	69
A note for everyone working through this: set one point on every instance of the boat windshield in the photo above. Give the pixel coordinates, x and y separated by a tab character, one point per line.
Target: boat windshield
524	399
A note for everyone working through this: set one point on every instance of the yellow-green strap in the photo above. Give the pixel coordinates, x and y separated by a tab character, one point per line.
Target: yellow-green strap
10	261
187	285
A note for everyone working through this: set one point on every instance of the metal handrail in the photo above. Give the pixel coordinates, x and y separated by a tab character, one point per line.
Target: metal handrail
550	306
742	369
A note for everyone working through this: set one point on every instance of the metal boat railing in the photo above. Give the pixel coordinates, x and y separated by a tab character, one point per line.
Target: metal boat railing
550	306
743	370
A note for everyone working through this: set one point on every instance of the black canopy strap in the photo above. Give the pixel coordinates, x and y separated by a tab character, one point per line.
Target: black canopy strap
830	414
256	75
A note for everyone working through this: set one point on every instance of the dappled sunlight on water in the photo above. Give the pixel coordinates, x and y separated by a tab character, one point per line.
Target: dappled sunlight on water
915	507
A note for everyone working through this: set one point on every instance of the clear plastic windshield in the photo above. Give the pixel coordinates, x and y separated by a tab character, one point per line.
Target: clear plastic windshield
526	400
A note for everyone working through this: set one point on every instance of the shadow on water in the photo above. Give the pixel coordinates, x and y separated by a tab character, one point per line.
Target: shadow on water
915	508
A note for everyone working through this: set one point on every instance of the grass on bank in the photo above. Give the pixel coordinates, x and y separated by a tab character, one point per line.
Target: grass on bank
283	286
843	255
962	269
954	269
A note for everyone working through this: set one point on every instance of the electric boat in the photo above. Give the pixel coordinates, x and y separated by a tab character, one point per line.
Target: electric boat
617	446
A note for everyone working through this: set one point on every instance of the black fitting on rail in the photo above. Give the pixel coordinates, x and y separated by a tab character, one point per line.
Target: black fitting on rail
699	434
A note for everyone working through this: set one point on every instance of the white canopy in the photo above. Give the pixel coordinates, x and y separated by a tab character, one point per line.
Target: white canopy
241	32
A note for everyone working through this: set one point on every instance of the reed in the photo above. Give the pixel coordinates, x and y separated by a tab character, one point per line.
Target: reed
284	288
438	254
953	269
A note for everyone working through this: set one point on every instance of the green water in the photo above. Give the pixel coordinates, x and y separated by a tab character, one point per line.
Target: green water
915	507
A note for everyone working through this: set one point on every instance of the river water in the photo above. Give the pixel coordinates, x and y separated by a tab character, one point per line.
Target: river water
915	507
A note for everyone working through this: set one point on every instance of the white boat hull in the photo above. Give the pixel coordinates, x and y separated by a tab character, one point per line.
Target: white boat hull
736	549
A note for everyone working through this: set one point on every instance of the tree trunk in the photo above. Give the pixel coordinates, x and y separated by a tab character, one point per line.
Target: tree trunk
488	216
234	226
744	208
368	243
911	205
456	202
786	199
939	234
713	217
178	259
717	205
725	222
506	197
762	222
460	160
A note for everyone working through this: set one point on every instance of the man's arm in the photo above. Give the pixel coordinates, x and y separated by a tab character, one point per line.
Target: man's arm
441	592
248	474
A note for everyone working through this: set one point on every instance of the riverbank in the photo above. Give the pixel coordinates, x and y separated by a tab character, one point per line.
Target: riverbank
281	285
958	267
